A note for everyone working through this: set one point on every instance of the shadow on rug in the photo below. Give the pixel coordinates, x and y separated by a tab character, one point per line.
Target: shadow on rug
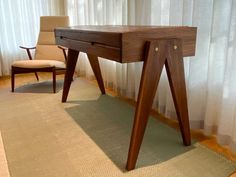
39	87
108	121
90	137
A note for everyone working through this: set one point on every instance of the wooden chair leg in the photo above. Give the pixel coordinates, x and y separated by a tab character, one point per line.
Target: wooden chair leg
152	68
70	69
36	75
97	72
12	80
54	79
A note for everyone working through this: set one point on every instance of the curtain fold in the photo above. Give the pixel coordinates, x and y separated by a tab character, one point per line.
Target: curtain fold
1	63
227	108
210	74
19	21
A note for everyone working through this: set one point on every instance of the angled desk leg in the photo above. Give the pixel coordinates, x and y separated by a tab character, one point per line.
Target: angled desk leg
70	69
97	72
175	72
152	68
157	55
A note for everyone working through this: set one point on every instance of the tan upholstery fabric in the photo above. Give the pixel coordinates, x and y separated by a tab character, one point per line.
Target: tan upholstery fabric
47	38
39	64
48	23
48	52
46	48
47	26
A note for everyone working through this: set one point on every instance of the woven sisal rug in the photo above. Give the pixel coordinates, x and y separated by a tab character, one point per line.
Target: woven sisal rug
89	136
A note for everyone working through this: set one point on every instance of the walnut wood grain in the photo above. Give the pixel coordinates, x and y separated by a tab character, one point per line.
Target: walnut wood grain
54	79
131	50
97	49
110	39
156	46
12	80
166	52
152	67
70	69
175	72
93	59
123	44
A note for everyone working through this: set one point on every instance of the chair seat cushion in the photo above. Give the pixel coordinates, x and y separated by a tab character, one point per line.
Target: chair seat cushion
38	64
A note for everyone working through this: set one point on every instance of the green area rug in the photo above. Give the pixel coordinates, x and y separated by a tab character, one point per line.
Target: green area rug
89	136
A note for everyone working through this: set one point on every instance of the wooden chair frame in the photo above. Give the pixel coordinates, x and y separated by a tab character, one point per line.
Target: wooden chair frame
55	71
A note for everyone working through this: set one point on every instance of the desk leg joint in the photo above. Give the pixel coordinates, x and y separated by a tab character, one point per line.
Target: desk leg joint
158	53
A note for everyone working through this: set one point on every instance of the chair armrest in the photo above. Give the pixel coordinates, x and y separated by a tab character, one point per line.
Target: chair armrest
61	47
28	51
27	47
64	52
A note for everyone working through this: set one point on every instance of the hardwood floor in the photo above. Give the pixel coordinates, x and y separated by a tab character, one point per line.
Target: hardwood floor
209	141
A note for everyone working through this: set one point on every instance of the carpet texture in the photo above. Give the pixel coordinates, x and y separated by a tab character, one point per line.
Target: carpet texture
89	136
4	172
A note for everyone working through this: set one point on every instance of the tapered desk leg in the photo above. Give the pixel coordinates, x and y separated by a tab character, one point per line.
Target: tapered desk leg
70	69
175	72
97	72
54	79
152	67
12	80
159	53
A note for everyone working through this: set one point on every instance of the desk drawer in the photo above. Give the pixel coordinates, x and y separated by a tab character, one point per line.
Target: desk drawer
93	48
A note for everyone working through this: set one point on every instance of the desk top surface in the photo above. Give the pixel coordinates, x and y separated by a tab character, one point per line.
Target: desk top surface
122	43
121	28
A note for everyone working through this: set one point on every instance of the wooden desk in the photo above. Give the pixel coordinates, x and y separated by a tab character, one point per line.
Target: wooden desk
155	46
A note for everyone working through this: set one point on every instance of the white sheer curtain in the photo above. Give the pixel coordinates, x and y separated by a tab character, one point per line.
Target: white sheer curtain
0	62
210	75
99	12
19	21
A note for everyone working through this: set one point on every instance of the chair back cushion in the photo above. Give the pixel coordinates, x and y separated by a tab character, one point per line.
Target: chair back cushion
46	48
49	52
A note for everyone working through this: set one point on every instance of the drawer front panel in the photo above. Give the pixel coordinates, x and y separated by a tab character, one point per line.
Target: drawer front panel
97	49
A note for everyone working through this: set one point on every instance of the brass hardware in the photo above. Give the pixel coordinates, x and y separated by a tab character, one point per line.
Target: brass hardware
156	49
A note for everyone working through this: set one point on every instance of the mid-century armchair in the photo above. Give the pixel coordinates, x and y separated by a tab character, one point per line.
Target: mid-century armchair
48	56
